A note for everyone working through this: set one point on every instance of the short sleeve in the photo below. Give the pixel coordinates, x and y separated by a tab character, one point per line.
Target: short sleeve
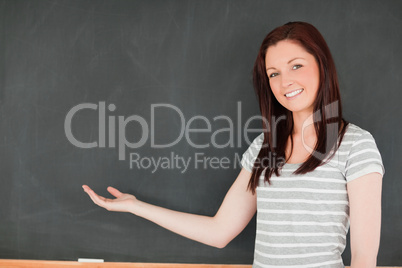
364	158
251	153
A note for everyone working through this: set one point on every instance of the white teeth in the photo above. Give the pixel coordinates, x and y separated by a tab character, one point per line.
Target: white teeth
294	93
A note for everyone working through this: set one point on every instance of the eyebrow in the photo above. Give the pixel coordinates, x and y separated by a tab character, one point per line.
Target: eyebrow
288	62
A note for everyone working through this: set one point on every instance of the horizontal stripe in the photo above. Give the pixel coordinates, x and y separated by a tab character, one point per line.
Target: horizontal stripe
293	256
352	134
364	151
281	211
307	190
336	160
373	160
319	168
300	234
347	142
301	223
374	167
321	264
363	141
298	245
317	179
308	201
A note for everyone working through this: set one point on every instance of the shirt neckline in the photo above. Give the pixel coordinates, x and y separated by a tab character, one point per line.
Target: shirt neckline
299	164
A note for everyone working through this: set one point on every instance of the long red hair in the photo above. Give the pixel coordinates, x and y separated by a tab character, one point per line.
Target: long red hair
327	115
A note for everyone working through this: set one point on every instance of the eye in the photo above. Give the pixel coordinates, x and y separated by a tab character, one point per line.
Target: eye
272	75
297	66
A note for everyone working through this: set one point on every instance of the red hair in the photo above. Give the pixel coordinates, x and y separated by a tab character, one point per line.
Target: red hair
327	105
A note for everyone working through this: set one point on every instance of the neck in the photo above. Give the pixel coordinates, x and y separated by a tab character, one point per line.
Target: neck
303	123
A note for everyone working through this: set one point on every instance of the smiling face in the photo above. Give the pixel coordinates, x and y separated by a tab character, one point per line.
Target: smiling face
293	74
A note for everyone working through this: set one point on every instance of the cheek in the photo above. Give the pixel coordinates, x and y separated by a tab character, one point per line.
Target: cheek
274	86
311	78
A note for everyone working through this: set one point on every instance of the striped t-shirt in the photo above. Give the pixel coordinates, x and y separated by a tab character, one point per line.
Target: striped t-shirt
303	220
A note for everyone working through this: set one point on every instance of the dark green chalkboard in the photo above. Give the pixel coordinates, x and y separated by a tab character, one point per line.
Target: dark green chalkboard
124	57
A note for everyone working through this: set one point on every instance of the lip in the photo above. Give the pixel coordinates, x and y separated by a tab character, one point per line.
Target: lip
290	98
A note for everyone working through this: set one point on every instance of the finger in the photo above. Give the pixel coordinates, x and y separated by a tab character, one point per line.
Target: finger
86	187
97	199
114	192
94	200
94	197
91	193
88	190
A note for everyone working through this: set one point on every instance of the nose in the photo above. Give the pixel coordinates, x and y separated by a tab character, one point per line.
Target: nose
286	81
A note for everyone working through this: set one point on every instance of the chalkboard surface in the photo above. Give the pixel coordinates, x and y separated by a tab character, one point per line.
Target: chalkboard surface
96	92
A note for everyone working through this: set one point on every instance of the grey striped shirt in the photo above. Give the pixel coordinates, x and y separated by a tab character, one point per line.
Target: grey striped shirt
303	220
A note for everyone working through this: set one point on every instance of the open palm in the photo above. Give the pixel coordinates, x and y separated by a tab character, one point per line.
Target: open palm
122	203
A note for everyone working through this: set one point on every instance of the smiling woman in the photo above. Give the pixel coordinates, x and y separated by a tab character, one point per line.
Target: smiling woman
326	176
293	73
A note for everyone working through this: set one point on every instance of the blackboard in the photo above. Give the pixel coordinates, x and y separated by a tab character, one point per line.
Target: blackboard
113	65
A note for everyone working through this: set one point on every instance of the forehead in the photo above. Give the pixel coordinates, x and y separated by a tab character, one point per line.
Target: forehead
285	50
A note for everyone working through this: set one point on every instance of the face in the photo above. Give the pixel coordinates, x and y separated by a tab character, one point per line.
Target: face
293	75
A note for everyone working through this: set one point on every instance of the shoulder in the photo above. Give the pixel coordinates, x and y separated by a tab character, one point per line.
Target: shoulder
355	135
251	153
356	130
360	153
256	145
258	140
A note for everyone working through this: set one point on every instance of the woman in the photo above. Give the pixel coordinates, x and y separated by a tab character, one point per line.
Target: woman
330	175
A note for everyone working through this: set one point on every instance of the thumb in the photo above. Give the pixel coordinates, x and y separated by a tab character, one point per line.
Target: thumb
114	192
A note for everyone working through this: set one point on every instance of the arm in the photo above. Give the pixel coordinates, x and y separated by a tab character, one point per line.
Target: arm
236	210
365	219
